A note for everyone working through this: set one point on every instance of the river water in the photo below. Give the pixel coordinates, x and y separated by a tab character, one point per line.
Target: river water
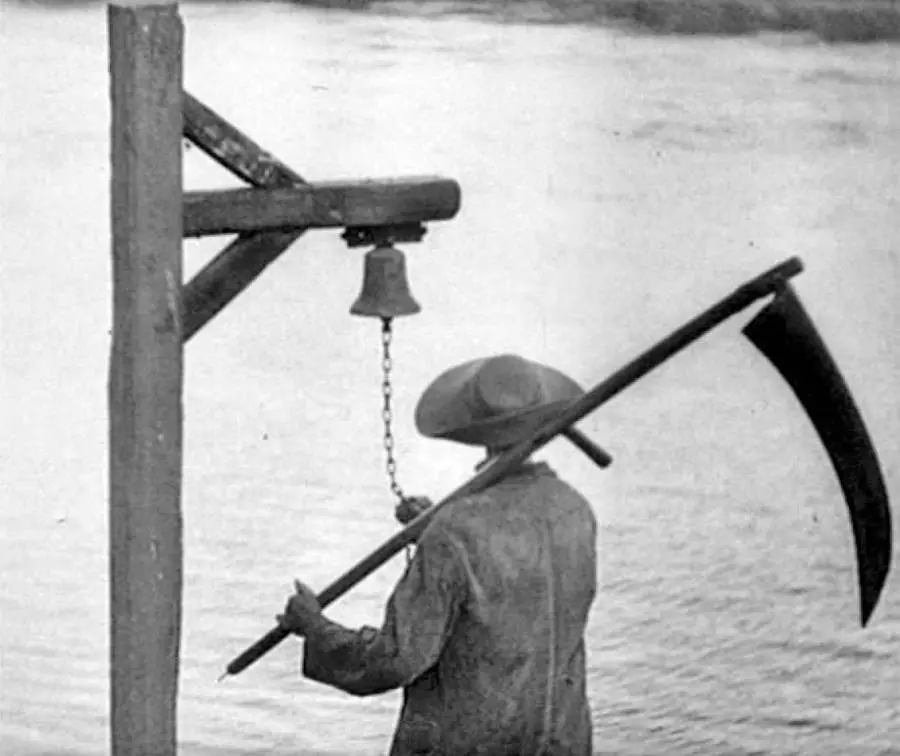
613	187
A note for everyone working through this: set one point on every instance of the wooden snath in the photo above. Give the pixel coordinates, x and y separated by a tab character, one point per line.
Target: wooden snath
154	314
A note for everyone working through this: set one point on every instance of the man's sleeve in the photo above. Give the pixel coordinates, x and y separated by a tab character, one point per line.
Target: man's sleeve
418	620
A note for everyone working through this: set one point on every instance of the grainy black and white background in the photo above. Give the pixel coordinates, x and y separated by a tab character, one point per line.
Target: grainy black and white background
613	187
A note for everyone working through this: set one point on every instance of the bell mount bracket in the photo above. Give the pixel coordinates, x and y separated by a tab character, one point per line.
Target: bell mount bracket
365	236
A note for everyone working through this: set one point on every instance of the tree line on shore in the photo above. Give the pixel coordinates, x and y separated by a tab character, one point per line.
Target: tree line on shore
828	20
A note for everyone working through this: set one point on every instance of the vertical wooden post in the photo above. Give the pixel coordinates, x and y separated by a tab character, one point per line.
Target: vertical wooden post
145	378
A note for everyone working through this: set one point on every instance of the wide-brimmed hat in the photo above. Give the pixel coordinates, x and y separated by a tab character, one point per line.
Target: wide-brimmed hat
493	401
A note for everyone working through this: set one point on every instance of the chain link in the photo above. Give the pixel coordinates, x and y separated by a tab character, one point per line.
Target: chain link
387	415
387	412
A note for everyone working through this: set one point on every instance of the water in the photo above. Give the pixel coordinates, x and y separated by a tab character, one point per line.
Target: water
613	187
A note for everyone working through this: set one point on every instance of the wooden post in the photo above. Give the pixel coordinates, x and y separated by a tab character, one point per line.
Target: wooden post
145	378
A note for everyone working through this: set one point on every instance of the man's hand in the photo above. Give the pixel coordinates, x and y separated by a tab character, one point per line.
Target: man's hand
411	507
301	611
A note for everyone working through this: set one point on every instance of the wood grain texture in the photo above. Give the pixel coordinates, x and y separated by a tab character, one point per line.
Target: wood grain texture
322	205
229	273
145	378
231	148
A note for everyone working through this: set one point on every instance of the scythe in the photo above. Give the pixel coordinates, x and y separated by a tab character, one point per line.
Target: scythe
786	335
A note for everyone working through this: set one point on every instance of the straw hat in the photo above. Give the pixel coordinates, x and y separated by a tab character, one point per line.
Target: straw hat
493	401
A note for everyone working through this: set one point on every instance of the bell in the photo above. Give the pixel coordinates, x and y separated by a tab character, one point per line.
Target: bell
385	290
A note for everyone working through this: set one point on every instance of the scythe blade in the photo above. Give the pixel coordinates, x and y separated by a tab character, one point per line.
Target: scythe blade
786	335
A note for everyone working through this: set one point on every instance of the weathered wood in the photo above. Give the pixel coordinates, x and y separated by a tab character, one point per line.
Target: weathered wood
242	261
233	149
229	273
247	257
145	378
321	205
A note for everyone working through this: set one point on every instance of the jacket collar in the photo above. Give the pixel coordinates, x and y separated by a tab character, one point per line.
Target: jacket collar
524	472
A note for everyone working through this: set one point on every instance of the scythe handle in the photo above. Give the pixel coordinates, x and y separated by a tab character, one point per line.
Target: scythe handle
597	454
768	283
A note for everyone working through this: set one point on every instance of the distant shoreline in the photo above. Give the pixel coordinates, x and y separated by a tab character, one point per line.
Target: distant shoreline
832	21
855	21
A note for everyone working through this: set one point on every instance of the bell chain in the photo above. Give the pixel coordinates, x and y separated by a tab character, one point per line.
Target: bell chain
387	413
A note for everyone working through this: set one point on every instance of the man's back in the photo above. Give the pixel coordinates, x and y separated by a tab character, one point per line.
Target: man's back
485	630
510	676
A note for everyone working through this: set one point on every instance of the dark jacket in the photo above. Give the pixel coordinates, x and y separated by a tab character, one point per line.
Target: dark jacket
485	631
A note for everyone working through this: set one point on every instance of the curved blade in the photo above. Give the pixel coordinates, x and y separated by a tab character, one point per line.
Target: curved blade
784	332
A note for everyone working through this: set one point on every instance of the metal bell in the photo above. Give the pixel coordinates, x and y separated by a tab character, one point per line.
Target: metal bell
385	290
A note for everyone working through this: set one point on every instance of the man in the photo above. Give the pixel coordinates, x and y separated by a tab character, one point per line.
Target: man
484	632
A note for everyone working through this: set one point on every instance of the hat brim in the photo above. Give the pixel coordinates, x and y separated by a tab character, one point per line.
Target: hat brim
445	409
504	430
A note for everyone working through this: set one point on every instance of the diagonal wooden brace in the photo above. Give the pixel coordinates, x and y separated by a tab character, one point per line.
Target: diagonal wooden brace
232	149
229	273
242	261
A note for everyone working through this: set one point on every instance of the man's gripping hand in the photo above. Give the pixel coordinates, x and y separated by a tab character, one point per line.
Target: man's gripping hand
411	507
302	610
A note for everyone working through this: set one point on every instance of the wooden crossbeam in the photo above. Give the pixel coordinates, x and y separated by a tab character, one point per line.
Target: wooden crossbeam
321	205
244	259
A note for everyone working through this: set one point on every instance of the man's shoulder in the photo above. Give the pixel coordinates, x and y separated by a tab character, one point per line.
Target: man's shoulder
460	518
489	510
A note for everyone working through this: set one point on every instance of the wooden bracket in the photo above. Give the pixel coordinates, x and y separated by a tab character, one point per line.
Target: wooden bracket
239	264
154	314
280	208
